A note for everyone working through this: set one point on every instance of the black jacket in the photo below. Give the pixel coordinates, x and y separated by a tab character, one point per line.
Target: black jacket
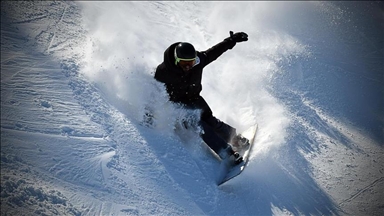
185	87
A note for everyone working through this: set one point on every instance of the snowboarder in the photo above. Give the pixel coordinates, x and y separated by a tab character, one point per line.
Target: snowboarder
181	72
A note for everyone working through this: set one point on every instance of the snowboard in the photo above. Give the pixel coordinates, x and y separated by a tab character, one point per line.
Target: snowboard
228	169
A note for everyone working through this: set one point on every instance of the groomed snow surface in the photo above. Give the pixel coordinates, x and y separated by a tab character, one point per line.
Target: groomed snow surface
77	76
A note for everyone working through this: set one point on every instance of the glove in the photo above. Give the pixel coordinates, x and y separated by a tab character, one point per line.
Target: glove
234	38
238	37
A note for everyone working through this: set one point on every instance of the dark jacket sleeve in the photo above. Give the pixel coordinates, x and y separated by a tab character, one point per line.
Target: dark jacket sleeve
214	52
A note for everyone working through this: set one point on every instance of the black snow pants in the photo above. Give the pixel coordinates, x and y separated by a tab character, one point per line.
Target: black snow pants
216	133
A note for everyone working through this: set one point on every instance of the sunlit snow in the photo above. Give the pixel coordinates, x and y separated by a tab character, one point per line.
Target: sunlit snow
76	77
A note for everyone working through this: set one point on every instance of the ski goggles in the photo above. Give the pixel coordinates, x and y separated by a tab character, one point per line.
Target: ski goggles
183	61
187	63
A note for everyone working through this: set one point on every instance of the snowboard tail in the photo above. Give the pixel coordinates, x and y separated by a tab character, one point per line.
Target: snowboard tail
229	169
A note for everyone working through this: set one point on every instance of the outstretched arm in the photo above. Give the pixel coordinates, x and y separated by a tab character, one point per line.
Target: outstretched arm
228	43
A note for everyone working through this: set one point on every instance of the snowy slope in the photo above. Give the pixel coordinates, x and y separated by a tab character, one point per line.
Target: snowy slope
76	76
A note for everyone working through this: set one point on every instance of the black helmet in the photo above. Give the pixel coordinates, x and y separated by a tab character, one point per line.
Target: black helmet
184	51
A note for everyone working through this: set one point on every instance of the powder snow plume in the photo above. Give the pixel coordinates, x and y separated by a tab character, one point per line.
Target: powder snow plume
126	43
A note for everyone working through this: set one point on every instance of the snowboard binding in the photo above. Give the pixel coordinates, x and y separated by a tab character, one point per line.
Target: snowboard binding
240	142
232	155
237	158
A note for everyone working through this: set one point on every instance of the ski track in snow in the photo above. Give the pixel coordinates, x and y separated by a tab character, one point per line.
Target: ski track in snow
67	148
